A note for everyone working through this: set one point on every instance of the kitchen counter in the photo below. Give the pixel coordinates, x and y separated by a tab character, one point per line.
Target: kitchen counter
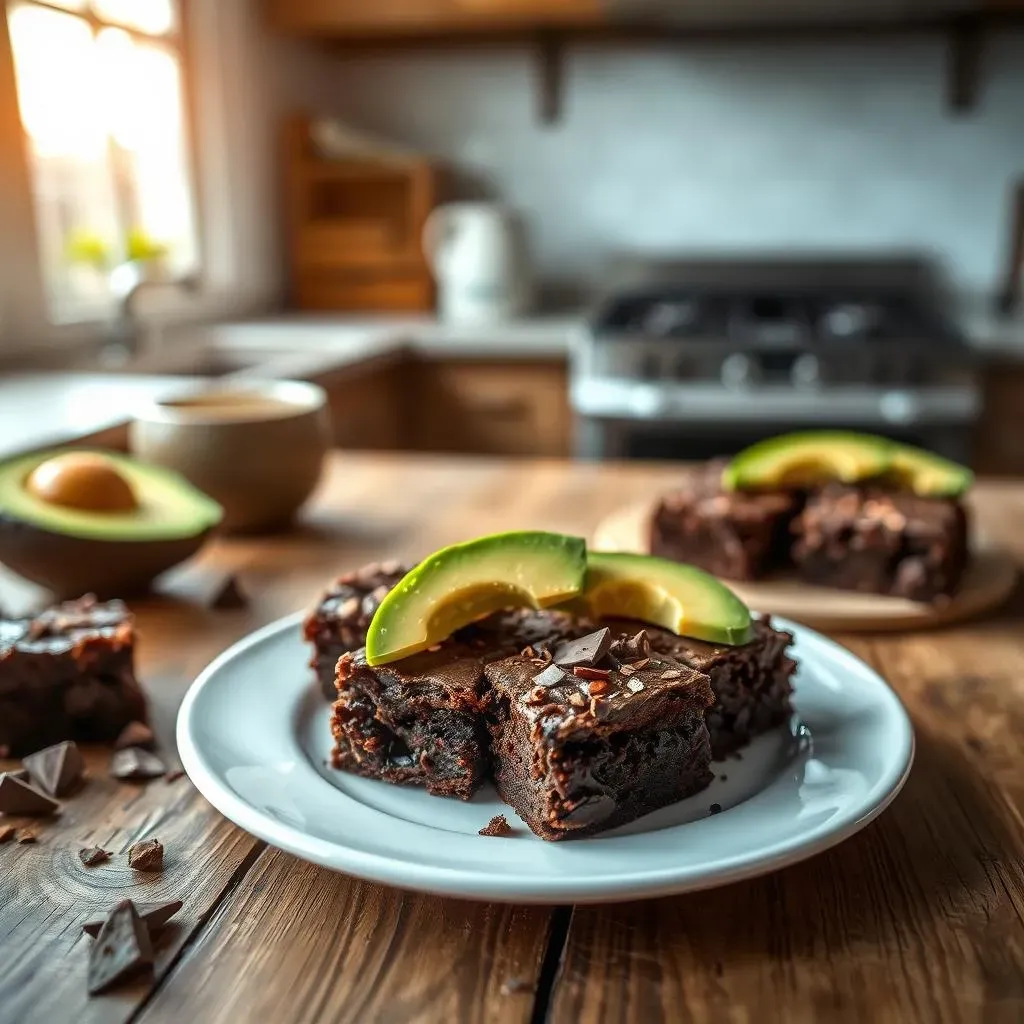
915	918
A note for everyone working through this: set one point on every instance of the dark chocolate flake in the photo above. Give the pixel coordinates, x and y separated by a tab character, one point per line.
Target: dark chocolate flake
136	734
154	915
58	769
230	596
582	672
146	856
136	765
551	676
671	674
122	949
93	855
587	650
17	797
498	827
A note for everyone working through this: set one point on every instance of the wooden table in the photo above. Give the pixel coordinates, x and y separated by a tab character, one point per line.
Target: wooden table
919	917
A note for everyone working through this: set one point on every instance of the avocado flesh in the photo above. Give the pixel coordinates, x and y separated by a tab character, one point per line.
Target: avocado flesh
929	475
169	508
465	582
680	598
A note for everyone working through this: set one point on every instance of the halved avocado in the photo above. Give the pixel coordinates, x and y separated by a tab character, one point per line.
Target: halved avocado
677	597
465	582
77	521
927	474
808	458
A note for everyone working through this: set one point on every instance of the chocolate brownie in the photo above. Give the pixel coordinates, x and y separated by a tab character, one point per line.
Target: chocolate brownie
752	683
419	721
67	674
585	742
882	541
732	534
339	622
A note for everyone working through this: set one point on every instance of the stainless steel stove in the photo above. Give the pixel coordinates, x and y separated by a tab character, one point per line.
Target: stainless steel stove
691	359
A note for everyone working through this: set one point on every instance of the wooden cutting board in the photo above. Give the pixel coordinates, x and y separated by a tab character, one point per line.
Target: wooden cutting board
991	578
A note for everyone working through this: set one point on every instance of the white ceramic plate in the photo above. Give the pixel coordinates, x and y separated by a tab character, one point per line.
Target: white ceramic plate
253	736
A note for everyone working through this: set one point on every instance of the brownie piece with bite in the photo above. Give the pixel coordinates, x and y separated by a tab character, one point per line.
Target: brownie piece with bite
752	682
420	720
732	534
339	622
593	732
882	541
67	674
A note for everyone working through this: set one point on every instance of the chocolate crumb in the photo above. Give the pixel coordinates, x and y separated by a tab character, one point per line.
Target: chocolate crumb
538	695
174	774
498	826
25	836
723	778
576	699
627	670
146	856
512	985
230	596
93	855
582	672
529	652
671	674
634	685
598	688
7	833
135	734
136	765
642	663
715	808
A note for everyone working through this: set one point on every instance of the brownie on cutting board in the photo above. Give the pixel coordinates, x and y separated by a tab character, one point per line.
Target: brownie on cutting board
732	534
67	674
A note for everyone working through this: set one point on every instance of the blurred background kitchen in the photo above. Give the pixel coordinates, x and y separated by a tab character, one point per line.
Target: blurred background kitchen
608	228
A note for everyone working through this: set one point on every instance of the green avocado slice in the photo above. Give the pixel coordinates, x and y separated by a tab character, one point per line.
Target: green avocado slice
465	582
804	459
677	597
927	474
169	508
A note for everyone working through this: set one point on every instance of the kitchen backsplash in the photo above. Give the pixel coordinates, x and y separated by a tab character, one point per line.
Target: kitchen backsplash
728	147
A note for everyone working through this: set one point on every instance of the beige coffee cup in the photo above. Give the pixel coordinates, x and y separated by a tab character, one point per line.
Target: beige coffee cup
256	447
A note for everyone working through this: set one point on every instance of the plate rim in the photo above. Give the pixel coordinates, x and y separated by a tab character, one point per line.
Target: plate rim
455	882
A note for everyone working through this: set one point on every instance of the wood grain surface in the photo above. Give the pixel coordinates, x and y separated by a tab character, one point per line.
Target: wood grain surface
920	917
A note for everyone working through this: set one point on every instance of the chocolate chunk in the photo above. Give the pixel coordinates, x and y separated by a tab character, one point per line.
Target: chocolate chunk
498	826
632	648
582	672
146	856
154	915
58	769
551	676
7	833
230	597
17	797
136	764
20	774
93	855
135	734
25	836
587	650
122	949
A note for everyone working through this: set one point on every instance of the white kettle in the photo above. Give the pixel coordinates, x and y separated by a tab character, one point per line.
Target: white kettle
477	252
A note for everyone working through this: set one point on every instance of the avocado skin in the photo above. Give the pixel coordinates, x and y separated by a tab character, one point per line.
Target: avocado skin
72	566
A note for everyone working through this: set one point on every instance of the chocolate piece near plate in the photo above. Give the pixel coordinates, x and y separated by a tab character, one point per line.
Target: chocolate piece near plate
147	855
136	765
136	734
338	624
497	827
92	855
56	770
19	798
122	950
68	674
154	916
230	596
7	833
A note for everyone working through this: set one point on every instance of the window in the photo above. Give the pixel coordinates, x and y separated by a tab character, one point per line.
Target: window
100	95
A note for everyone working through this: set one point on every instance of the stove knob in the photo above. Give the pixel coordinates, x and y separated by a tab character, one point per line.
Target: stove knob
805	371
738	371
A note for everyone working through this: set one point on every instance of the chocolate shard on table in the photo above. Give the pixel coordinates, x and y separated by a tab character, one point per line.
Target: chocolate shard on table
135	734
338	623
123	949
880	541
732	534
92	855
136	765
627	744
147	855
68	674
154	916
56	770
19	798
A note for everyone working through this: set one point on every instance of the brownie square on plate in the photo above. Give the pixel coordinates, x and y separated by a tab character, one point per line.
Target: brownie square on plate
882	541
732	534
67	674
585	746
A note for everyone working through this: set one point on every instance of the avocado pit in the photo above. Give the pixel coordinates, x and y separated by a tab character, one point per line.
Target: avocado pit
86	481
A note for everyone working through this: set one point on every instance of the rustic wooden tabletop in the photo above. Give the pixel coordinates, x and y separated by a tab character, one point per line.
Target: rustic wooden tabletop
919	917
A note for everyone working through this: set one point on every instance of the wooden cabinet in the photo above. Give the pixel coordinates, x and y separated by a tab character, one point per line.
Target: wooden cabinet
424	17
490	408
368	408
999	445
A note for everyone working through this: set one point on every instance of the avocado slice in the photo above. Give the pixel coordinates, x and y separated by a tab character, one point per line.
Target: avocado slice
807	458
927	474
677	597
465	582
77	520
